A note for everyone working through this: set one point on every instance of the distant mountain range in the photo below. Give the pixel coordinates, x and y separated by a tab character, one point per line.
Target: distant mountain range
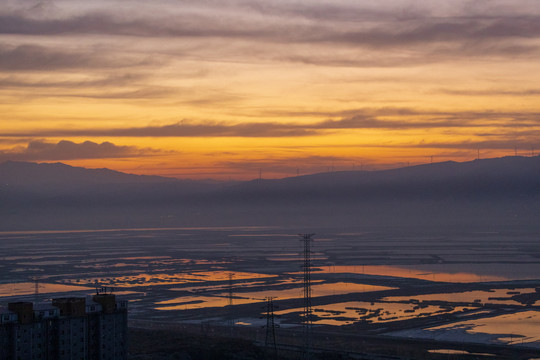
493	177
481	192
58	175
19	173
51	182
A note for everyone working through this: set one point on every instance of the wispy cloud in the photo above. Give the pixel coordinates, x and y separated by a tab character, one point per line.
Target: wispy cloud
380	119
266	69
119	44
42	58
500	142
337	22
14	81
188	129
67	150
492	92
431	35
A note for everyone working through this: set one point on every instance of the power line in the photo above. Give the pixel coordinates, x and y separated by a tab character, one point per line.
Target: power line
230	320
231	279
36	288
270	339
307	325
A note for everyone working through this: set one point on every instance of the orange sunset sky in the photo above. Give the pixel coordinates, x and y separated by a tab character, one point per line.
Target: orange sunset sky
223	89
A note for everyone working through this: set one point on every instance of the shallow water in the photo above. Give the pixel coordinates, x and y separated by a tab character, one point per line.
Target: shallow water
326	289
185	269
495	296
372	312
200	302
28	288
439	273
517	328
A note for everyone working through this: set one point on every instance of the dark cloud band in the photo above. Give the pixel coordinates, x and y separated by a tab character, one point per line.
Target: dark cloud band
38	150
382	119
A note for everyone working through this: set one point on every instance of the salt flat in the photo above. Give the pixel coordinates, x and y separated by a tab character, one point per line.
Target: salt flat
399	282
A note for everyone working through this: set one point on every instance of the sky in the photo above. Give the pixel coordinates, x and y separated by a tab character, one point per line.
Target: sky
237	89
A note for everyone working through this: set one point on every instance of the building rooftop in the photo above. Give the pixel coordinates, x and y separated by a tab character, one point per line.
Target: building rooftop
5	310
44	306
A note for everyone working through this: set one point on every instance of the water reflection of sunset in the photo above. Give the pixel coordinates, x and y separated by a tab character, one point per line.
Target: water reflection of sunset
198	302
494	296
326	289
169	279
28	288
520	327
176	278
373	312
410	272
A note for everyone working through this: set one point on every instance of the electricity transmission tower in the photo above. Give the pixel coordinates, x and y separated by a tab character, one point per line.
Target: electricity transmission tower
270	339
230	288
307	239
35	279
230	321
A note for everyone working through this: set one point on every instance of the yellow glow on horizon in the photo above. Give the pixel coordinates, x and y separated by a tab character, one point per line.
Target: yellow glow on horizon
226	90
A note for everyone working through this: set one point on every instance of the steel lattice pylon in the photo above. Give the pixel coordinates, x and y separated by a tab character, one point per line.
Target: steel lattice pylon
308	310
270	339
230	320
230	288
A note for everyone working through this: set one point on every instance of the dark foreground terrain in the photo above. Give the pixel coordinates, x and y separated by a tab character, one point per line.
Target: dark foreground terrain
217	344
